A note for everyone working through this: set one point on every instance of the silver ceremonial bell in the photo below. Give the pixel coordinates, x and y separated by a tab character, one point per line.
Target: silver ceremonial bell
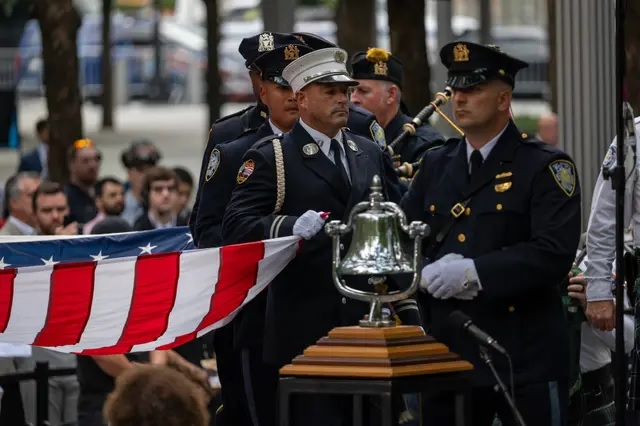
376	252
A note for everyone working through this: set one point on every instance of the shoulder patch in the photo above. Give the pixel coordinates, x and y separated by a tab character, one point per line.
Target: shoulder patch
212	166
377	134
564	173
245	171
610	158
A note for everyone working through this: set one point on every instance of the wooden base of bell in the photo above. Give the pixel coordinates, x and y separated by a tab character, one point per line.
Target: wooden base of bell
376	353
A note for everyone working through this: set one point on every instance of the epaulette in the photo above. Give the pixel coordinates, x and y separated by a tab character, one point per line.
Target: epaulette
235	114
267	141
534	141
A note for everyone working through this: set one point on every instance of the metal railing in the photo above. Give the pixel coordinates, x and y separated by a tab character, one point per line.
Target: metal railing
41	375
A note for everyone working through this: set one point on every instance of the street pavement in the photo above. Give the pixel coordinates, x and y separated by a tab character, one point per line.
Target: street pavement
179	131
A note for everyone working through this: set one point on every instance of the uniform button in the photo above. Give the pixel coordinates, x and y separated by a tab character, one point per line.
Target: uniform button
432	208
462	238
512	309
467	211
344	300
499	207
524	136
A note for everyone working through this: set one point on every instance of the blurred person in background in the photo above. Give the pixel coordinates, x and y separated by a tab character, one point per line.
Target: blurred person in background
185	189
109	201
51	210
18	194
548	128
155	396
37	159
140	156
159	199
84	168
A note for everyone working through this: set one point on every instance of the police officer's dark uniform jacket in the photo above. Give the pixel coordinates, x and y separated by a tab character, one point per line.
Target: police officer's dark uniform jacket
519	220
379	64
303	303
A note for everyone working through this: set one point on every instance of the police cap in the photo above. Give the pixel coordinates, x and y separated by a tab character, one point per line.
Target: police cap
377	64
314	41
470	64
252	47
272	63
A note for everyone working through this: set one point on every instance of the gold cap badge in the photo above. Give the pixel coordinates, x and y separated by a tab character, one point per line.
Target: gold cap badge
291	52
380	68
460	53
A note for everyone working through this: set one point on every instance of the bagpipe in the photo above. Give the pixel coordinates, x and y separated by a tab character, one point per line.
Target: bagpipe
407	170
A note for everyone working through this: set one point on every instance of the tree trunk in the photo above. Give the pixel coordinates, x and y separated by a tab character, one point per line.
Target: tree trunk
552	75
632	44
59	22
214	97
356	25
408	42
107	67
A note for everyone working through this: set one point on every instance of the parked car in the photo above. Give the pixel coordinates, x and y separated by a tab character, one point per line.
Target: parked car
530	44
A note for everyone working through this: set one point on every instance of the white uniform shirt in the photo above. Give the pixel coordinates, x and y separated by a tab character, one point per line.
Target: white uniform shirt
601	228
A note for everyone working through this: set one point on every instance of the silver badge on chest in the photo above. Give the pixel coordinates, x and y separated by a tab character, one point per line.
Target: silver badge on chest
353	146
310	149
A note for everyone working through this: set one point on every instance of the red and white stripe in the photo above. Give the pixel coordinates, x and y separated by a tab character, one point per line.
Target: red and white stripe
139	303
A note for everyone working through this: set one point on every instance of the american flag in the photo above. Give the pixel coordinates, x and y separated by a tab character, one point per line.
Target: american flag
129	292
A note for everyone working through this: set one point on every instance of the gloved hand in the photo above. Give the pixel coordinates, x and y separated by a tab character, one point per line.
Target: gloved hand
451	278
435	268
308	225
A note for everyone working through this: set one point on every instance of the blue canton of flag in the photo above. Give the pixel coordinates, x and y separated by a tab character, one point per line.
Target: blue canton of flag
16	252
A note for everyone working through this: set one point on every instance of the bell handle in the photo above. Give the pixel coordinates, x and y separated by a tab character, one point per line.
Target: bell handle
360	207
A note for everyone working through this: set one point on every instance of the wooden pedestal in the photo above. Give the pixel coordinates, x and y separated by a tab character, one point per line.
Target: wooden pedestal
376	353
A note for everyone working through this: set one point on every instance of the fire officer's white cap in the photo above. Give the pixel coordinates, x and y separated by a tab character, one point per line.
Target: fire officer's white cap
320	66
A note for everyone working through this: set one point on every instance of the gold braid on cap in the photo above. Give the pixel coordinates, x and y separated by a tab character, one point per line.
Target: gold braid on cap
377	54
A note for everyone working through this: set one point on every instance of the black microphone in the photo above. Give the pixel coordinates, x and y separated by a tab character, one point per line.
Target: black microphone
462	321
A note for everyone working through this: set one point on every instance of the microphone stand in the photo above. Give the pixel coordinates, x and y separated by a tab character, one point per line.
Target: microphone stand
486	357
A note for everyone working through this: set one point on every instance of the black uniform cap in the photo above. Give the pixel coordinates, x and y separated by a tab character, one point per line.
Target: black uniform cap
271	63
470	64
377	64
253	47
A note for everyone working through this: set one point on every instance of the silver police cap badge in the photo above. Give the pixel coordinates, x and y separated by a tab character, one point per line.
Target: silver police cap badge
310	149
352	145
340	57
265	42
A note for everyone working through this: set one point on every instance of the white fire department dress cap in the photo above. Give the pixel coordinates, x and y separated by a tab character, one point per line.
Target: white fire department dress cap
320	66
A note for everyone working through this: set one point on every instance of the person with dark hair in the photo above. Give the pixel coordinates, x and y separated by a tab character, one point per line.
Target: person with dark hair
51	209
185	188
36	160
140	156
155	396
159	197
109	201
84	168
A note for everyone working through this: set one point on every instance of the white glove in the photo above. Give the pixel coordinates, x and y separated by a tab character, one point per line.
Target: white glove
451	279
308	225
436	266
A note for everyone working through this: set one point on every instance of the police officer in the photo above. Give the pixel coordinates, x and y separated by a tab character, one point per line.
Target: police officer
601	237
504	211
232	126
260	379
327	170
380	75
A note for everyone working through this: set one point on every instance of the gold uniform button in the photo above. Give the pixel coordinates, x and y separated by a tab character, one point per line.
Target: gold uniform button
467	211
462	238
432	208
512	309
499	207
524	136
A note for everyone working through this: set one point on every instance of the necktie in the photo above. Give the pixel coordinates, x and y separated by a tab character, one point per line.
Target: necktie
476	163
335	147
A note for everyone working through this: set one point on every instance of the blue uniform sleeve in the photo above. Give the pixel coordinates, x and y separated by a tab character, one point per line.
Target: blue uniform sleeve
249	215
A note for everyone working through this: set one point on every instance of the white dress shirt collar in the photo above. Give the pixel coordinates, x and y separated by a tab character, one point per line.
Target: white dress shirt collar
275	129
324	141
486	149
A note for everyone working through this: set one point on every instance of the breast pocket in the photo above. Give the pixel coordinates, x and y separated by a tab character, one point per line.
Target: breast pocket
501	220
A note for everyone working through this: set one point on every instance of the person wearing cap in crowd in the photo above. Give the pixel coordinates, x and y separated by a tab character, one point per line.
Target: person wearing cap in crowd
504	212
226	158
326	170
230	127
380	75
140	156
